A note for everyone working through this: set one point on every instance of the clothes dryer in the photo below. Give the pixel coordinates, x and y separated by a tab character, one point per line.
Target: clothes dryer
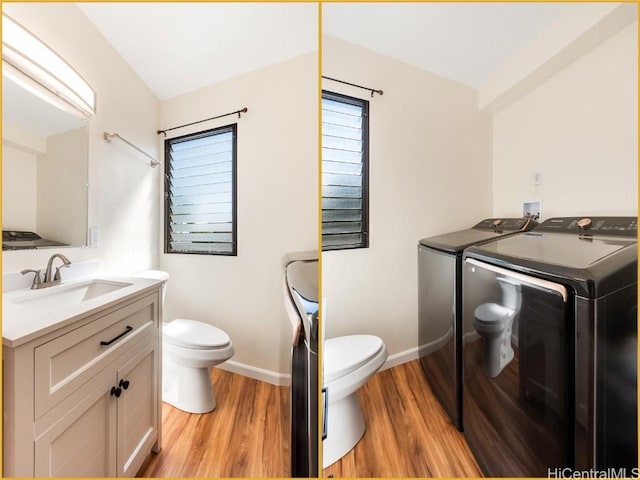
550	349
440	305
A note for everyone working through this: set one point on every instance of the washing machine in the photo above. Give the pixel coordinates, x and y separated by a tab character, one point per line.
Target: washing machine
440	305
550	349
300	289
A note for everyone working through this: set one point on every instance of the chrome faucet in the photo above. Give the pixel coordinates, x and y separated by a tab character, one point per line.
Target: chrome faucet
50	278
37	279
57	277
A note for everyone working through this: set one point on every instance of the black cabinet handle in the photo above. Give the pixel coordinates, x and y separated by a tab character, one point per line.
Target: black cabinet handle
116	391
124	384
126	330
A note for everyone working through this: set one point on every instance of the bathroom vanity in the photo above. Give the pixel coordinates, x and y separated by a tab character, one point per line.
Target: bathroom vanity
81	379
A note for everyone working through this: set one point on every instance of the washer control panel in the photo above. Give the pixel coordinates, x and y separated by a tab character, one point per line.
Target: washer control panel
618	226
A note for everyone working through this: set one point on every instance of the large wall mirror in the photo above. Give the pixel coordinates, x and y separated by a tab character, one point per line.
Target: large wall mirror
45	144
44	172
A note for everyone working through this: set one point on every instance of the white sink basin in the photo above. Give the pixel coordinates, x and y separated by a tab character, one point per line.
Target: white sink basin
68	295
28	314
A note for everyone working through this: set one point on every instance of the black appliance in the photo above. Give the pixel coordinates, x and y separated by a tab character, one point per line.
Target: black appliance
440	305
301	302
17	240
550	349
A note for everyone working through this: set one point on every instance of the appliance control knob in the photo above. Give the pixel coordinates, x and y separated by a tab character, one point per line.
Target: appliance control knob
584	223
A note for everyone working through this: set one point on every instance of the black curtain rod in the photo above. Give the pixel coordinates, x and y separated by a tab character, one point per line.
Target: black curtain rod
164	132
372	90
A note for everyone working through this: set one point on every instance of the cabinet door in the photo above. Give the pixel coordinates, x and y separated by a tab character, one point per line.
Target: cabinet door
82	442
137	409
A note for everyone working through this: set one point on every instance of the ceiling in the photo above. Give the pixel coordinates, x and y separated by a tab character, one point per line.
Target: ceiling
465	42
179	47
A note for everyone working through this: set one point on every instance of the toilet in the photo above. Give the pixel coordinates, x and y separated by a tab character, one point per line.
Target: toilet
494	322
190	349
349	361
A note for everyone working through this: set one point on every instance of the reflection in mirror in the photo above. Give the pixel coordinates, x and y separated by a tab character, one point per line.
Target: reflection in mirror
44	172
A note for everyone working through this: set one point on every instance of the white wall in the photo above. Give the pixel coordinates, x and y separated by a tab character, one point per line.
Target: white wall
277	210
124	190
430	173
579	130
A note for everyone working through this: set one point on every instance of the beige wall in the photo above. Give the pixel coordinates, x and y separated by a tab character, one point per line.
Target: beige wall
430	164
124	191
62	188
44	184
19	195
579	130
277	210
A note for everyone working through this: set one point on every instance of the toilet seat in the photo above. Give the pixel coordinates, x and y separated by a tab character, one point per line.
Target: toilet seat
349	362
343	355
195	335
491	314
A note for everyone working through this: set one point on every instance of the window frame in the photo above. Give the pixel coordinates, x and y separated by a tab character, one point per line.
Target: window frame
364	104
233	128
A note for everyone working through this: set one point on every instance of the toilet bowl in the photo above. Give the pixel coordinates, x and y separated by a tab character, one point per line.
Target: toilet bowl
494	322
349	362
190	349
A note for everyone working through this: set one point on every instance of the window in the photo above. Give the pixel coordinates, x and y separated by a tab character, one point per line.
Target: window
200	193
345	164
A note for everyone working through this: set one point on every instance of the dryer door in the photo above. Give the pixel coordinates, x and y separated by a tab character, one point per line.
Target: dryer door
516	355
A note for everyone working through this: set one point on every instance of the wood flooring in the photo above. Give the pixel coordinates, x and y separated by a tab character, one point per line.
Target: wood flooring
408	433
247	435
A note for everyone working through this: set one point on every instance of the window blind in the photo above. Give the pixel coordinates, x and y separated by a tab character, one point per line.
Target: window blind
344	172
200	191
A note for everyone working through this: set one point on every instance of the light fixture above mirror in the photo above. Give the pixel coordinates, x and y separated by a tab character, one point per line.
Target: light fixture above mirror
33	65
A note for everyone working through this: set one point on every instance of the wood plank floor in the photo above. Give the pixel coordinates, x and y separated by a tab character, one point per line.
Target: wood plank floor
247	435
408	433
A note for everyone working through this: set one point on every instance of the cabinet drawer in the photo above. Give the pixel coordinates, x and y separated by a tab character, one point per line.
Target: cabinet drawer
65	363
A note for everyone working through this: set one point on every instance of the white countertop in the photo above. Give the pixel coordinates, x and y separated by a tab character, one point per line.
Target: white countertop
22	322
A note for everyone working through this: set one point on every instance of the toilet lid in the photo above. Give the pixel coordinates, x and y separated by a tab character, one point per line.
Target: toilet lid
343	355
194	334
491	313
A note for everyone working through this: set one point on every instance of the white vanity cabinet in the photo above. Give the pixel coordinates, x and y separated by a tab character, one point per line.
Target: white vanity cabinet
84	401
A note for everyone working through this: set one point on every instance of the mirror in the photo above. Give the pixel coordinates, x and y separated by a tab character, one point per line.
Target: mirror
44	172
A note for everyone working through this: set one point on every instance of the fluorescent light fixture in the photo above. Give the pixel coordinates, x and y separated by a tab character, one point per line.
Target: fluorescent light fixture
33	65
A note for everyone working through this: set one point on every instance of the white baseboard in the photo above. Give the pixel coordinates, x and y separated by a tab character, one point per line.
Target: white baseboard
283	379
400	358
278	379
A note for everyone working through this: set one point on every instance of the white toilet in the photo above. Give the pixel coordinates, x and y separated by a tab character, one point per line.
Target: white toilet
494	323
190	349
349	362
